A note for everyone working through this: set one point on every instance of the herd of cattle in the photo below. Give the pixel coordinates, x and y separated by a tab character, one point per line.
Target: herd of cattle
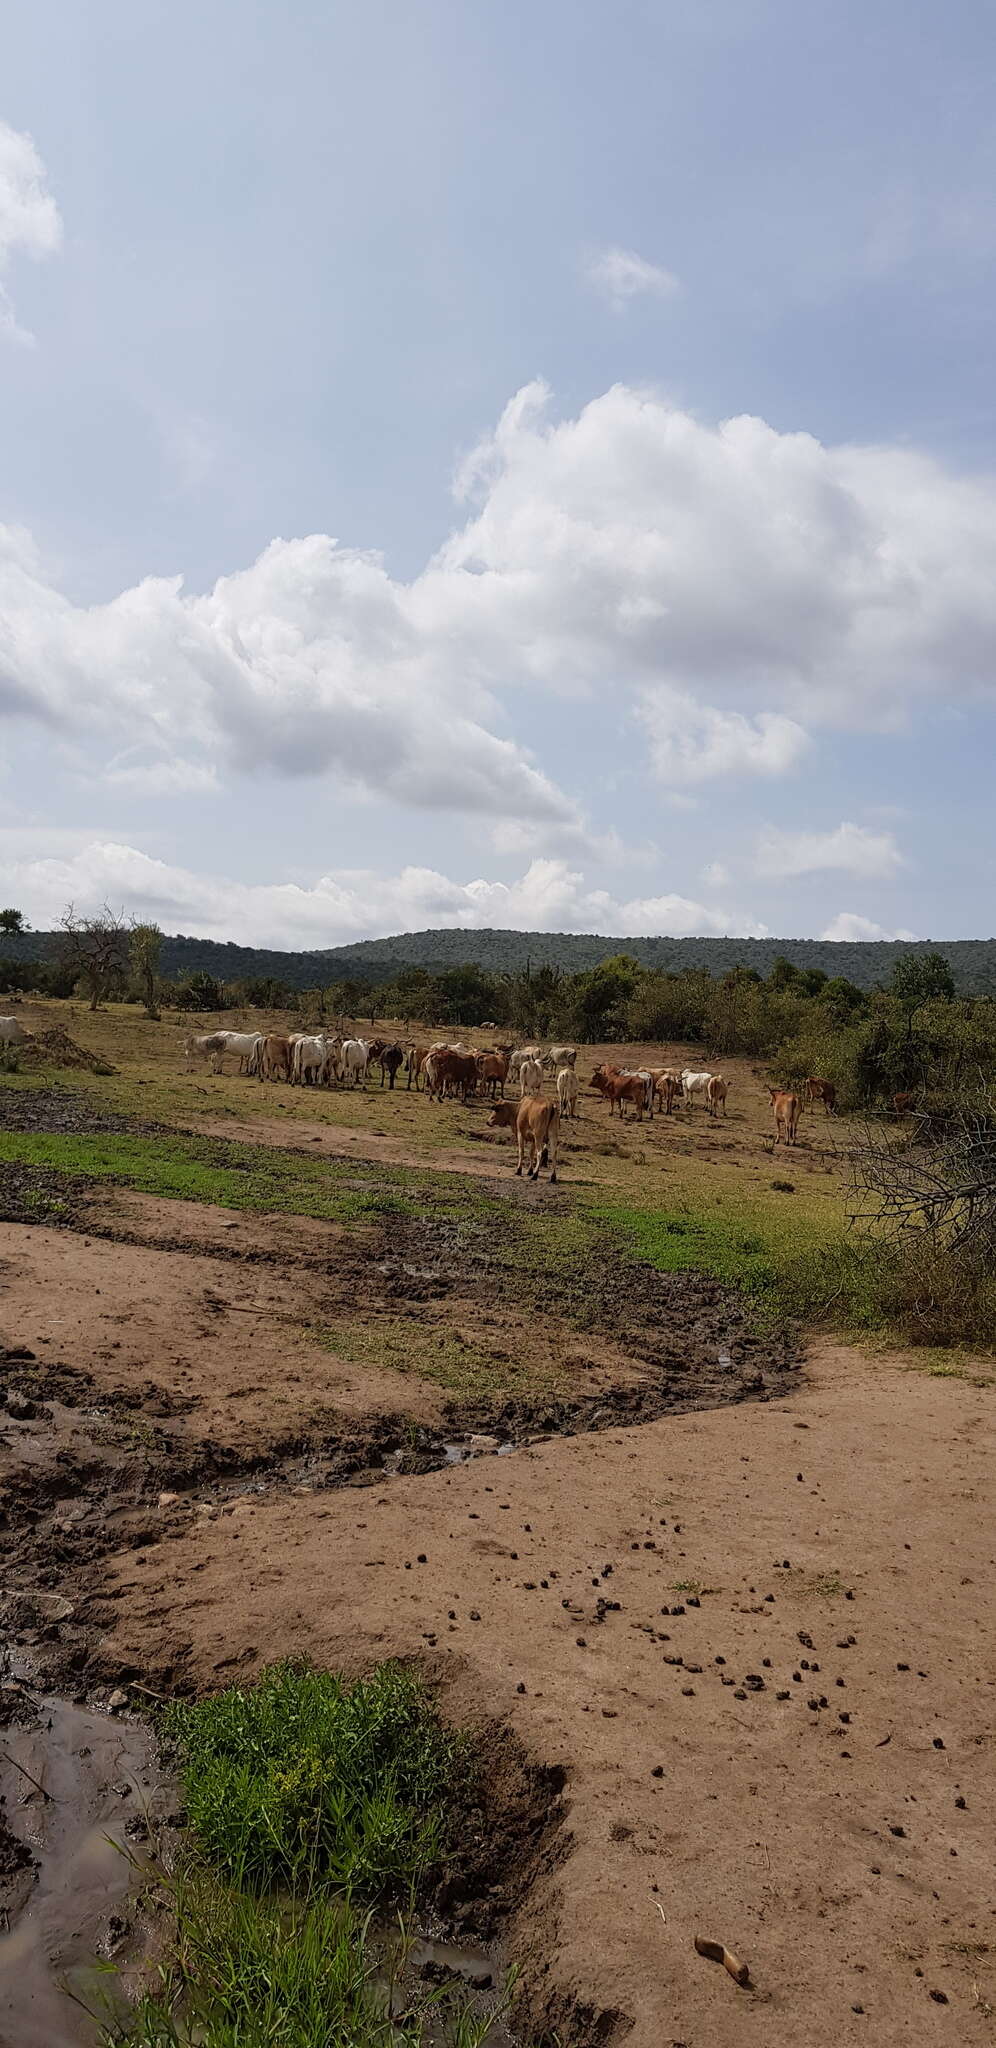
321	1059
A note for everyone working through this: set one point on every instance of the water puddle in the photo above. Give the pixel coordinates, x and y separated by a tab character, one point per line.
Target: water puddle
76	1790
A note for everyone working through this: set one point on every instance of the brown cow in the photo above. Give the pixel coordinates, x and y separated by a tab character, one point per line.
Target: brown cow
786	1109
275	1058
455	1073
819	1090
492	1068
618	1088
536	1123
716	1094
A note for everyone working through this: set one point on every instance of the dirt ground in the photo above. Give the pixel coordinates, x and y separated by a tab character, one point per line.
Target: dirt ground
841	1548
731	1591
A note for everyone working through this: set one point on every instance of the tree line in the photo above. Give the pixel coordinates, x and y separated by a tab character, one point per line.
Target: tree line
914	1032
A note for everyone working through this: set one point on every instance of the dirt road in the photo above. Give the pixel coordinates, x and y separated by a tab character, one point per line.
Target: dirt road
835	1548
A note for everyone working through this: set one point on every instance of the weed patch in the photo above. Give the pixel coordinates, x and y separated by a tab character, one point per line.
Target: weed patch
310	1804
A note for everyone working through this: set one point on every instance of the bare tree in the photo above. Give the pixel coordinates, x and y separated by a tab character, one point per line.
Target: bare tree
95	949
938	1188
144	948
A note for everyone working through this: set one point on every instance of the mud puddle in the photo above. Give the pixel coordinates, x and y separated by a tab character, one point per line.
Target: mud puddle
79	1791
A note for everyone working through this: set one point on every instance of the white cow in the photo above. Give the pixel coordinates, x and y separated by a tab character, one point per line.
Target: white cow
560	1056
567	1091
12	1031
522	1052
308	1060
353	1056
243	1046
695	1087
208	1045
530	1077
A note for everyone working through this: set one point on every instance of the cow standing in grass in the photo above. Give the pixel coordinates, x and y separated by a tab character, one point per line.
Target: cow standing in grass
536	1124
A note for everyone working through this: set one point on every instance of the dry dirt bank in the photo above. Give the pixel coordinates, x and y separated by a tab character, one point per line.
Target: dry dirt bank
849	1860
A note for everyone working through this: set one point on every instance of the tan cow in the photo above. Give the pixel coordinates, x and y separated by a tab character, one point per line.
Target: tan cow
716	1094
493	1070
667	1084
536	1123
567	1092
819	1090
275	1055
786	1112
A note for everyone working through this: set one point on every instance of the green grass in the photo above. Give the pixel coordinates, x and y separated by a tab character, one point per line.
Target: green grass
409	1344
310	1804
302	1782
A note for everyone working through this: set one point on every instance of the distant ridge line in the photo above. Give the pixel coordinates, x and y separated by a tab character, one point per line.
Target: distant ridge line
867	962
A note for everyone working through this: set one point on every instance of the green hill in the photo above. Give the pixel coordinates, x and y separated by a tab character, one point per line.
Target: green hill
867	963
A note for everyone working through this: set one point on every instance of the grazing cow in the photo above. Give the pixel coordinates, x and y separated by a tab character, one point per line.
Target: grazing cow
567	1092
819	1090
492	1068
536	1123
530	1077
208	1045
786	1112
456	1073
560	1056
243	1046
390	1060
12	1031
522	1052
903	1102
667	1084
353	1056
716	1094
275	1056
695	1087
618	1088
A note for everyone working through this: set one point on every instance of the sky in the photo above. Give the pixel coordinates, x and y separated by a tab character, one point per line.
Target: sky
499	466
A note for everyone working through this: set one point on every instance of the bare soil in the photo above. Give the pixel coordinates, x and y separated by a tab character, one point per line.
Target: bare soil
721	1611
841	1548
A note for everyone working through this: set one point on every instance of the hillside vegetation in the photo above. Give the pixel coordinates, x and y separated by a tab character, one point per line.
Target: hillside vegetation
374	962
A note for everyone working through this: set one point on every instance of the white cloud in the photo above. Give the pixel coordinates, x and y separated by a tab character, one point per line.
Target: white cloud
345	904
848	925
851	848
621	275
691	742
633	556
716	874
29	217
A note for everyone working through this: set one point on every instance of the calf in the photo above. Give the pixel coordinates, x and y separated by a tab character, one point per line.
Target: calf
530	1077
537	1128
819	1090
492	1068
786	1112
567	1092
716	1094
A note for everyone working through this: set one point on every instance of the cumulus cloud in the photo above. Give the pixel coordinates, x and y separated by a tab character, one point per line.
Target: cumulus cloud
851	848
729	586
342	905
848	925
29	217
621	275
692	742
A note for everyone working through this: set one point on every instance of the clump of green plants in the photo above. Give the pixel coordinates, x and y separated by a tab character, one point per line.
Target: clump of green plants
312	1805
301	1779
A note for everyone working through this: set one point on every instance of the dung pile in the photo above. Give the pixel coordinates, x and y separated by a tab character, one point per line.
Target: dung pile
55	1048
